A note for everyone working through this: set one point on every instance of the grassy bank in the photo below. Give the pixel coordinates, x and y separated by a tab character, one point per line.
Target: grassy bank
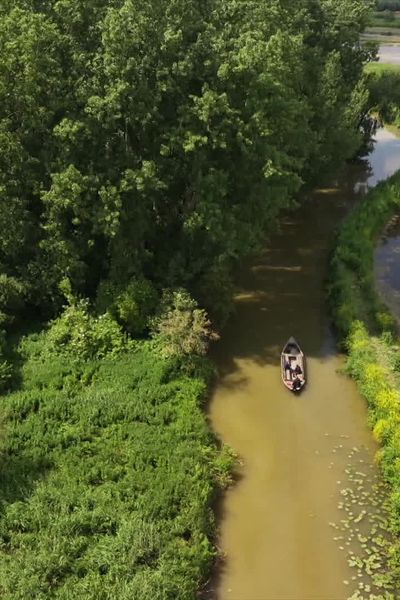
378	68
367	329
108	472
385	18
352	290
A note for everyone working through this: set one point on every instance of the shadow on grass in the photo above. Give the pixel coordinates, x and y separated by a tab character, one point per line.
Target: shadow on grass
12	353
18	477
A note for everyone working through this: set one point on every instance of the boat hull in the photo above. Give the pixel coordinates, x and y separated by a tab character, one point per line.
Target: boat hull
293	365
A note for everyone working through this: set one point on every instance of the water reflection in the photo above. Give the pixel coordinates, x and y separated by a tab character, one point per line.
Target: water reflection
385	161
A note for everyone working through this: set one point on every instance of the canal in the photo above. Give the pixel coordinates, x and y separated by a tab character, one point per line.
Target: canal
300	521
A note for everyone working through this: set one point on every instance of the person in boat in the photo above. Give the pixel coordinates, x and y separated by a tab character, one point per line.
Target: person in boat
296	384
298	370
288	369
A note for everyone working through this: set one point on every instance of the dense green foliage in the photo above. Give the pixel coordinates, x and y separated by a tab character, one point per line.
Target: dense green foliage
384	86
159	140
352	293
107	474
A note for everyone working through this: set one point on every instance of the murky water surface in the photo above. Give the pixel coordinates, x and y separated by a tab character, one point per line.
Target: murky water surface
285	528
387	267
388	53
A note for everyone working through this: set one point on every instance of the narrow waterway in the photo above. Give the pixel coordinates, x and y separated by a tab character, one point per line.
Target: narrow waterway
283	530
387	267
388	53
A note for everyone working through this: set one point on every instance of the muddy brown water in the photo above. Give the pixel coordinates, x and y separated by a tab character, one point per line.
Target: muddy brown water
387	267
278	522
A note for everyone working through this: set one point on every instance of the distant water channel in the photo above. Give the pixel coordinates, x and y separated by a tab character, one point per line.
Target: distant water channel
299	522
387	267
388	53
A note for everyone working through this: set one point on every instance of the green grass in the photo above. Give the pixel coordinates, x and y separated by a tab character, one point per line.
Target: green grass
382	19
378	67
392	40
384	23
108	472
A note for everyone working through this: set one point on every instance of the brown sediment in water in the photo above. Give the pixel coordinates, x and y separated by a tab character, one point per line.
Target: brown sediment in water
276	532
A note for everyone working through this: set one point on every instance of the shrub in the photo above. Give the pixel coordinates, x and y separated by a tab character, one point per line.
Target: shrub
215	292
131	305
79	334
12	296
5	374
182	329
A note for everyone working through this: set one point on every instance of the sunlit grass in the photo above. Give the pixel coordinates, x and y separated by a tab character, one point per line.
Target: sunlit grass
107	471
378	67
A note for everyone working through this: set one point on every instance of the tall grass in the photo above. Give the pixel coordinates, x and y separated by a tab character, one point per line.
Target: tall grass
108	471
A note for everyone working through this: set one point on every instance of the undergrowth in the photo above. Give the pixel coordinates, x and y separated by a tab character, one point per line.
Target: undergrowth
108	473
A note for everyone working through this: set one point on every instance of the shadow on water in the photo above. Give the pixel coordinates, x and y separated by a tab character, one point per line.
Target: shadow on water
281	292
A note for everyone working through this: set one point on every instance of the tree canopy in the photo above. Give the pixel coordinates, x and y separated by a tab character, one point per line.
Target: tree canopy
161	139
145	146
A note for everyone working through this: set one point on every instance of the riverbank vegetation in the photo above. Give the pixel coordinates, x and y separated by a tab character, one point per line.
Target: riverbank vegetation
145	149
368	331
160	141
352	292
379	67
108	469
385	20
384	88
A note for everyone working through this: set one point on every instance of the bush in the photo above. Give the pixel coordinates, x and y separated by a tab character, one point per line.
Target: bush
182	329
12	297
131	305
215	292
5	374
78	334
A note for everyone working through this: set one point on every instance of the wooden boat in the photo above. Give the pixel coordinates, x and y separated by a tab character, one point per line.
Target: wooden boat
293	364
